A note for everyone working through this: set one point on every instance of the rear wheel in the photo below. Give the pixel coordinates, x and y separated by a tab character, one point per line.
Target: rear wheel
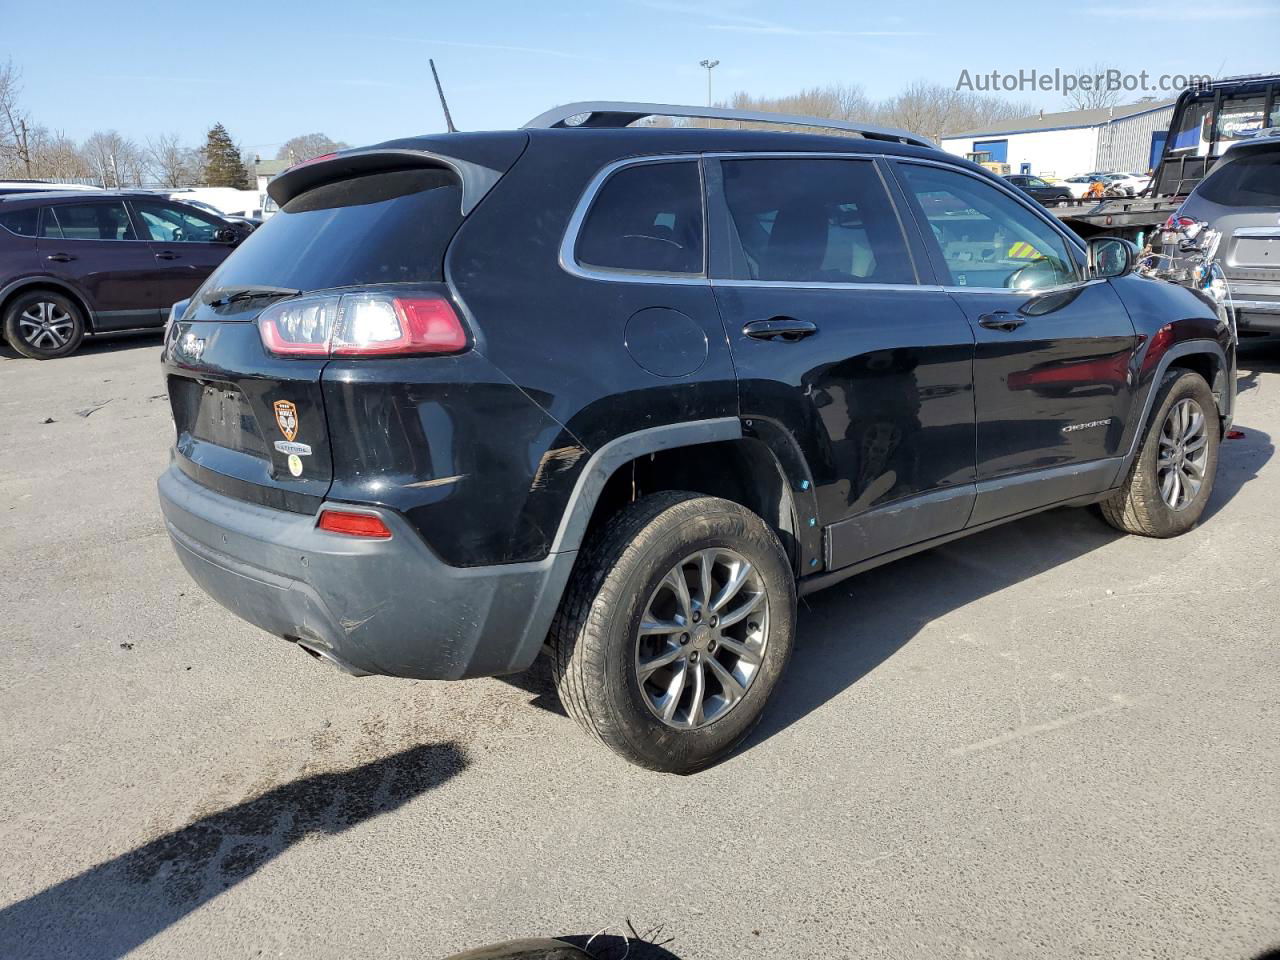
43	325
674	630
1171	480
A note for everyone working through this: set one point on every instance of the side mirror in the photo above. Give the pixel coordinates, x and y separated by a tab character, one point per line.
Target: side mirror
1111	257
226	235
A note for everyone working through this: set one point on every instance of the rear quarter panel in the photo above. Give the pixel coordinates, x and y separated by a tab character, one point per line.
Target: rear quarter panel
560	338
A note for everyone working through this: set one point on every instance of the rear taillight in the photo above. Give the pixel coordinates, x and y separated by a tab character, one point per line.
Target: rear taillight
353	524
1183	224
362	325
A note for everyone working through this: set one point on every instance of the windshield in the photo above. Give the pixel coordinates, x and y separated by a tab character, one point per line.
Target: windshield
390	227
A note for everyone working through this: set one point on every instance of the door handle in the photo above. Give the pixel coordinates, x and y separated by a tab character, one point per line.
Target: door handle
1001	320
787	329
166	255
60	257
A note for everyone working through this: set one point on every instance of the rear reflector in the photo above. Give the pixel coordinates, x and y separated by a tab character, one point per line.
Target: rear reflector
353	524
362	325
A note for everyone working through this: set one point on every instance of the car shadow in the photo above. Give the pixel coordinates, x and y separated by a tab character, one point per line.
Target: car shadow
1254	358
100	343
112	908
848	630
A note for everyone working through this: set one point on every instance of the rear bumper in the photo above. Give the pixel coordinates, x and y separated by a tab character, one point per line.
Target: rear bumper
1257	305
372	606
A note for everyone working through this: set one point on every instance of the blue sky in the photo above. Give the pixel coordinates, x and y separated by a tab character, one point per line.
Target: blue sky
358	71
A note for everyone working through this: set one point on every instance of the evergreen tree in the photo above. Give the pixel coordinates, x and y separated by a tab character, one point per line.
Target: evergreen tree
222	165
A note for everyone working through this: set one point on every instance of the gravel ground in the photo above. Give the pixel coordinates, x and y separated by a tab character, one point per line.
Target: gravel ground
1047	740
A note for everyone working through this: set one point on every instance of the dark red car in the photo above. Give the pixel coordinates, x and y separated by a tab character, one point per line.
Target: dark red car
77	263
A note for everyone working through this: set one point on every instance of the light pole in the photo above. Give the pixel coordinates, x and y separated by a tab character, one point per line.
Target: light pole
709	65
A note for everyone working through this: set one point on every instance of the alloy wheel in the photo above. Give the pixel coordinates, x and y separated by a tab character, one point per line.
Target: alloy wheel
46	326
1184	454
702	638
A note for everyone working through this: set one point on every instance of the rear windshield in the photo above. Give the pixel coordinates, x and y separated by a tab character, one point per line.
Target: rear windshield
1252	181
389	227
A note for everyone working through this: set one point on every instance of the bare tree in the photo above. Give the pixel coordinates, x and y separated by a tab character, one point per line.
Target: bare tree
928	108
938	111
308	145
1095	92
15	132
834	102
55	156
169	163
114	159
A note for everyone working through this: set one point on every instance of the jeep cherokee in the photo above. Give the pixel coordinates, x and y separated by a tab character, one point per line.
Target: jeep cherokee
622	393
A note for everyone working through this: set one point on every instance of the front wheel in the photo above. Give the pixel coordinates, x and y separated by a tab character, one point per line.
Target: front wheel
1169	485
675	628
43	325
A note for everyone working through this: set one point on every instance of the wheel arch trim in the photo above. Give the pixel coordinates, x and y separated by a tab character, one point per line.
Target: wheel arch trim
606	460
1187	348
15	287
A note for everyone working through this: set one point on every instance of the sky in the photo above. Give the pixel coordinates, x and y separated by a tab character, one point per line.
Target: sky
358	72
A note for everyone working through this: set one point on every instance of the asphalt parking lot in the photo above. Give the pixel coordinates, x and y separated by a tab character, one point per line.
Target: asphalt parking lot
1048	740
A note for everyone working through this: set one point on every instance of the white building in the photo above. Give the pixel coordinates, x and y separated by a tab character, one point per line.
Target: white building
1125	139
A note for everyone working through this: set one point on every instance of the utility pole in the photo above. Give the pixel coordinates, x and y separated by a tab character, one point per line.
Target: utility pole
448	120
709	65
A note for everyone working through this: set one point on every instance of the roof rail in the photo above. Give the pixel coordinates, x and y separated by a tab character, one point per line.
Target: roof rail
607	113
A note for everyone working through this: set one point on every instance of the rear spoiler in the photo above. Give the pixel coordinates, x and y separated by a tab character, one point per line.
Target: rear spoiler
476	180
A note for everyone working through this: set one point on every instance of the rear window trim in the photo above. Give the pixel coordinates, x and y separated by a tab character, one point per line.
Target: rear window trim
569	245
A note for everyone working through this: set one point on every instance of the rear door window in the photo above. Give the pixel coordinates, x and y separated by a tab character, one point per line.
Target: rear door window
102	220
387	227
647	218
22	222
814	221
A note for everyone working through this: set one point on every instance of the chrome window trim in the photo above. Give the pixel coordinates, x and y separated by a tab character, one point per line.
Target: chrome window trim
568	245
1029	294
819	285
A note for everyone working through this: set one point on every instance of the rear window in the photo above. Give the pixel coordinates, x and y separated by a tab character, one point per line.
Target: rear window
390	227
1252	181
22	222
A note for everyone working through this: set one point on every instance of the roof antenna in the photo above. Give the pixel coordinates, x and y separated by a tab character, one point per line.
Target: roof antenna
444	105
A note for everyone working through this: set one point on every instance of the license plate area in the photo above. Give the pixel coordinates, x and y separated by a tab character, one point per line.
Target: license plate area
218	413
1257	252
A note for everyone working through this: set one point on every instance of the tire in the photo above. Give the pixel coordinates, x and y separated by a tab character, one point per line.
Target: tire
42	325
1150	503
603	666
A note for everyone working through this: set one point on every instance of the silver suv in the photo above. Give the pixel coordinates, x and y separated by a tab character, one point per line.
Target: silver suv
1240	200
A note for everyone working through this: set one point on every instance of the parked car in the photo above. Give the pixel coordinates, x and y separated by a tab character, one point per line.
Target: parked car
73	263
1239	199
1130	184
1113	184
31	186
626	392
1041	189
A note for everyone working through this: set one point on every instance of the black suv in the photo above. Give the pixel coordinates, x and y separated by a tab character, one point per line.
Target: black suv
82	262
622	393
